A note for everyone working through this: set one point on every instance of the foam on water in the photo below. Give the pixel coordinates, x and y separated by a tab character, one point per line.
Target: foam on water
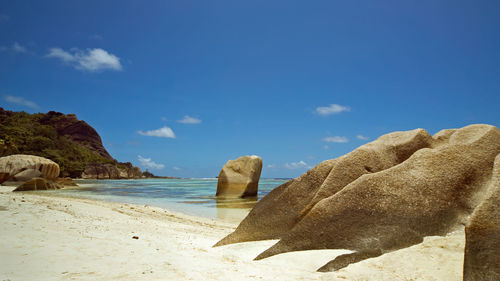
189	196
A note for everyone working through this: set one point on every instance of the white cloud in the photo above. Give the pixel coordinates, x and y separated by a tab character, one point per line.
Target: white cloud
361	137
164	132
270	166
148	163
331	109
297	165
16	48
91	59
336	139
176	168
189	120
20	101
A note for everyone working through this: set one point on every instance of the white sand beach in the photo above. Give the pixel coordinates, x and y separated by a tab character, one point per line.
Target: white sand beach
45	237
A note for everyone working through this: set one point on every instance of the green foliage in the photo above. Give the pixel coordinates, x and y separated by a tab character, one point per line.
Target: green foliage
24	134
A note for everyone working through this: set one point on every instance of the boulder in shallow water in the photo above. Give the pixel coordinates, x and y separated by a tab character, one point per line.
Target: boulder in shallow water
240	177
66	182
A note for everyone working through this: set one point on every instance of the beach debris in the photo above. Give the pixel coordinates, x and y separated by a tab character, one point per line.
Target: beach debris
135	237
383	196
240	177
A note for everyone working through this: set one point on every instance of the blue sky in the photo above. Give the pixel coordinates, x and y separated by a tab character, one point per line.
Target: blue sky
183	86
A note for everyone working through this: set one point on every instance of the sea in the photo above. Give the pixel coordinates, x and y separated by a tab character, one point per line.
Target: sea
189	196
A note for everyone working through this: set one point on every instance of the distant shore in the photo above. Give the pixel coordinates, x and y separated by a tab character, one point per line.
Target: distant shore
46	237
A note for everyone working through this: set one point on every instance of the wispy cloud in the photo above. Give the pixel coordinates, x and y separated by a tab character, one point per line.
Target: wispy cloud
164	132
89	60
15	47
150	164
189	120
20	101
336	139
270	166
361	137
297	165
175	168
331	109
96	37
18	48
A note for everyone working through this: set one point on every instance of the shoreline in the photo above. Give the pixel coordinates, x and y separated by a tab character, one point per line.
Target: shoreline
46	237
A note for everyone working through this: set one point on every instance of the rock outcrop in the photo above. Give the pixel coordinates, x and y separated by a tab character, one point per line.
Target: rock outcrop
72	143
38	184
482	235
15	166
240	177
111	171
77	130
383	196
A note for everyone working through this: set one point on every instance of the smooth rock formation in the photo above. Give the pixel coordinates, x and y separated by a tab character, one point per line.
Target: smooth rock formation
14	164
383	196
240	177
38	184
298	196
482	235
27	175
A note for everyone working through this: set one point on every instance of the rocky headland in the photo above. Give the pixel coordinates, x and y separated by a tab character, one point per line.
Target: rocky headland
62	138
387	195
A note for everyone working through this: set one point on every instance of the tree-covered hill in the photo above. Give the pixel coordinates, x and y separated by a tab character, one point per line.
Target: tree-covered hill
70	142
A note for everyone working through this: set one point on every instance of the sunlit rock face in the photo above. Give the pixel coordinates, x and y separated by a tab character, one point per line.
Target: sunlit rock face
17	164
383	196
240	177
482	235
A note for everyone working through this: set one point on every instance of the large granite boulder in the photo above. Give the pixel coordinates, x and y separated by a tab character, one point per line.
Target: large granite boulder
298	196
12	165
240	177
381	197
482	235
38	184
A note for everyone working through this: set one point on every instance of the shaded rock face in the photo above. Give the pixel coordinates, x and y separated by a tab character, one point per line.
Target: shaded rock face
482	235
77	130
27	175
383	196
38	184
240	177
111	171
16	165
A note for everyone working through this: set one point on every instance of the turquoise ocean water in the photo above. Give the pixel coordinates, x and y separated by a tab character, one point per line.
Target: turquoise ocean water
190	196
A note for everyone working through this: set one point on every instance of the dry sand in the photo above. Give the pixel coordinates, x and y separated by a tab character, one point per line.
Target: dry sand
45	237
